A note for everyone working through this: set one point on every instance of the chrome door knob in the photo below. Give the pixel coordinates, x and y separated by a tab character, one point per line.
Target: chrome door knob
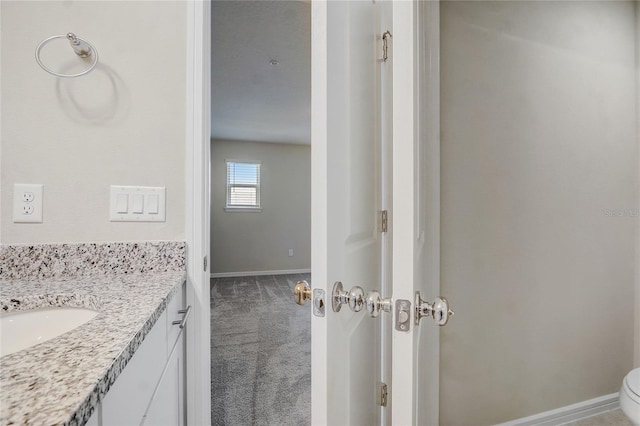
438	310
302	292
376	304
354	297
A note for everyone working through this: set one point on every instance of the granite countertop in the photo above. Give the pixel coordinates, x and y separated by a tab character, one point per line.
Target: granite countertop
61	381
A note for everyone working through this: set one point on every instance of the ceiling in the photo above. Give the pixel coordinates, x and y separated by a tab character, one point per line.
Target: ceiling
254	99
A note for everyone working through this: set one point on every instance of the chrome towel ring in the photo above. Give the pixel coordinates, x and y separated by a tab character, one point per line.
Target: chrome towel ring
81	47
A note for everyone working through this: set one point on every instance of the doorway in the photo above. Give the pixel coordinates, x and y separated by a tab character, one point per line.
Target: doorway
481	321
260	212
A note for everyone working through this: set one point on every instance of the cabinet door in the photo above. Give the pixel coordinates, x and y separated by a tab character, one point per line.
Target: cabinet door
167	405
126	401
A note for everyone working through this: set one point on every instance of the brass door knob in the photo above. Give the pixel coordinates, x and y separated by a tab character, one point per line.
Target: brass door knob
302	292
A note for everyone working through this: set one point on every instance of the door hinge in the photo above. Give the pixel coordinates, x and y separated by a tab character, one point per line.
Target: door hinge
385	45
383	394
383	221
205	263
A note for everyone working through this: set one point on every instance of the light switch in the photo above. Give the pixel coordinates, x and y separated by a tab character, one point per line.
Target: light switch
122	203
137	203
152	204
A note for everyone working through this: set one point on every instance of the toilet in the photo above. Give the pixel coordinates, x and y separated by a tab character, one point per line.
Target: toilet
630	396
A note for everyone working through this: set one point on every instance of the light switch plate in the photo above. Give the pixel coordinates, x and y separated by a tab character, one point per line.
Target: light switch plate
27	202
137	204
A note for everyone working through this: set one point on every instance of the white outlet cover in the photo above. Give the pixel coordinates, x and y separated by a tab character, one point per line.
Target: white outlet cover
21	208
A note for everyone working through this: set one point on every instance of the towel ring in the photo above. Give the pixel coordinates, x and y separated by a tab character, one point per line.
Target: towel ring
81	47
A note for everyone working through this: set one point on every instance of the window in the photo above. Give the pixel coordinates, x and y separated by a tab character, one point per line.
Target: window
243	185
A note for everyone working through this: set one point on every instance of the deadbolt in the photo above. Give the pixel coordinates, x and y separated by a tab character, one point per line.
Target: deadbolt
302	292
438	310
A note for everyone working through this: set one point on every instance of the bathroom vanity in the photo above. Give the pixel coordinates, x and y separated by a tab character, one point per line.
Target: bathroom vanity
124	366
151	389
126	357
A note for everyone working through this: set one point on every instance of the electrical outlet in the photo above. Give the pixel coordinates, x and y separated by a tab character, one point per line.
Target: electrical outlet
27	202
290	252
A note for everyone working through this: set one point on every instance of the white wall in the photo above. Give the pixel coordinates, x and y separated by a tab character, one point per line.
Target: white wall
123	124
637	333
538	144
259	241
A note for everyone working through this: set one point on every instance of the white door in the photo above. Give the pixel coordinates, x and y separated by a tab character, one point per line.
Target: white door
416	205
346	199
353	111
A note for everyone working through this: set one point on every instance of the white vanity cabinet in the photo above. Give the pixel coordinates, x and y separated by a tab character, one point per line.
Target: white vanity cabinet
167	407
151	388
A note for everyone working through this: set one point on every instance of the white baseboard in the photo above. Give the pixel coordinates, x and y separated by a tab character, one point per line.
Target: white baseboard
570	413
256	273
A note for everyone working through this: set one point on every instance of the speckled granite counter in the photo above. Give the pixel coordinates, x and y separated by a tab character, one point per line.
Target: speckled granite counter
59	382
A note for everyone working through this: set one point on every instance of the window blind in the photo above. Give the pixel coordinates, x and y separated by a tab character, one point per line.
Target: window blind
243	185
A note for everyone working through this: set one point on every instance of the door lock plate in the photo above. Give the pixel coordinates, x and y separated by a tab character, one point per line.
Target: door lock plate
318	302
403	315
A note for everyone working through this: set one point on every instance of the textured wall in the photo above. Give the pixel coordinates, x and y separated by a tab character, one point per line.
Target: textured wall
539	171
259	241
122	124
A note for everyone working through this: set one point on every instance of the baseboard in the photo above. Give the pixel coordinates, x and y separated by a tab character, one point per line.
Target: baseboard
570	413
256	273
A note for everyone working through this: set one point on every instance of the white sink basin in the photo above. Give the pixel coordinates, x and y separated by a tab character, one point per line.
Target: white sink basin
23	329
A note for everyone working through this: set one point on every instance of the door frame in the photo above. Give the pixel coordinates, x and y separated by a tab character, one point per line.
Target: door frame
197	195
404	206
428	130
319	199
